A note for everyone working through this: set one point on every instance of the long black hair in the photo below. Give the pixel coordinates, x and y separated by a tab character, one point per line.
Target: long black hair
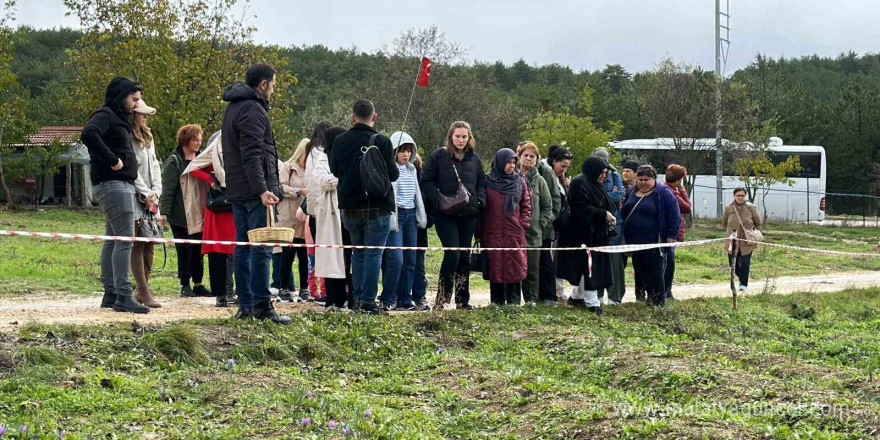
319	137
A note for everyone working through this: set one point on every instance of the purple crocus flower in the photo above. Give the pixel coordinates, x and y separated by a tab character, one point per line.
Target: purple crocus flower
2	430
439	350
230	363
331	424
346	431
309	394
368	413
61	435
306	421
22	429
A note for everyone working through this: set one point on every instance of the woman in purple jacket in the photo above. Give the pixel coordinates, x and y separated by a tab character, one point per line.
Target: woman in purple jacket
650	215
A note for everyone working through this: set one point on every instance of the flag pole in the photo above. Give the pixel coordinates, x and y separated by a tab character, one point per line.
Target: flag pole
411	95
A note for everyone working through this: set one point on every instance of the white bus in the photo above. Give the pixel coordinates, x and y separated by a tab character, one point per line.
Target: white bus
804	201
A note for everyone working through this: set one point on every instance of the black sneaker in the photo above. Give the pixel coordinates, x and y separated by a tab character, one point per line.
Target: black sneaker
422	306
370	309
596	310
128	304
389	307
187	292
407	307
284	295
464	306
244	313
200	290
226	300
268	312
577	303
305	296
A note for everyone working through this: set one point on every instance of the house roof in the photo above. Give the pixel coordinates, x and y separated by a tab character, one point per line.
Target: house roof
68	134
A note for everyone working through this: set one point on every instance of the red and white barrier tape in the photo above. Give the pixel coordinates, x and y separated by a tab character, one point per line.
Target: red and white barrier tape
618	249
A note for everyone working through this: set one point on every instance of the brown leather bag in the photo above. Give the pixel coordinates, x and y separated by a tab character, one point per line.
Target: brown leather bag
453	204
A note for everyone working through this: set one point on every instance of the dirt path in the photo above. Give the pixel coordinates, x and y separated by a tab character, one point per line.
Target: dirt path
17	311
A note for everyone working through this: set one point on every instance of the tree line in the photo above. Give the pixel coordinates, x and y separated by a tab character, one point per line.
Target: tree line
186	51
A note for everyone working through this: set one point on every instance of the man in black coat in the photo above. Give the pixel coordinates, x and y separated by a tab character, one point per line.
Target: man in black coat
107	135
366	217
252	185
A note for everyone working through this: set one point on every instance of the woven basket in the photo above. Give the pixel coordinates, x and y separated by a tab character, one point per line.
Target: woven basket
271	234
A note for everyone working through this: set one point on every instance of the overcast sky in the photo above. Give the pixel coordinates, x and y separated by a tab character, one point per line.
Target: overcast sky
583	34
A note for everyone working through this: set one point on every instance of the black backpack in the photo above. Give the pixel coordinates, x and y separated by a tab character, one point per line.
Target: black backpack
373	171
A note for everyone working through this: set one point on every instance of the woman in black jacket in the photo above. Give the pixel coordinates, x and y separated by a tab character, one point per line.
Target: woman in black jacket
456	162
591	217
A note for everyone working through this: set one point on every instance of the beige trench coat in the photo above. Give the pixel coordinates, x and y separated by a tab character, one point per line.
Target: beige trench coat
750	220
322	203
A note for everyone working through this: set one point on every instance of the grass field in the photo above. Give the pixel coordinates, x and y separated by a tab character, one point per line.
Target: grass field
72	267
781	367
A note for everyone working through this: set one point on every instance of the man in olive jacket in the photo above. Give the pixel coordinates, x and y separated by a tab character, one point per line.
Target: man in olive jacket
251	163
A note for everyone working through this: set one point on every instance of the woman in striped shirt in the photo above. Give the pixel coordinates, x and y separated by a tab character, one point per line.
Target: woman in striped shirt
399	264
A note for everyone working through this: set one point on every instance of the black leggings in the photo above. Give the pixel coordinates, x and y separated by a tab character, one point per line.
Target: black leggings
455	231
547	274
217	267
287	256
339	290
504	293
190	265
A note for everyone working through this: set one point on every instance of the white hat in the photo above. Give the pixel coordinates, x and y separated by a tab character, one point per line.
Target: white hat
143	108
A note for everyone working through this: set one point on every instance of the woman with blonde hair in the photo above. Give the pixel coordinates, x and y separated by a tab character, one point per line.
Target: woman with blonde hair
292	177
452	175
148	188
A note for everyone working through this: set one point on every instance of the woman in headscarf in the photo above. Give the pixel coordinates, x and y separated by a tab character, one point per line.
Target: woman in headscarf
592	217
507	215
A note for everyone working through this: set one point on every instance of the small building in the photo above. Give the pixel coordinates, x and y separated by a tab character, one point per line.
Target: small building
71	184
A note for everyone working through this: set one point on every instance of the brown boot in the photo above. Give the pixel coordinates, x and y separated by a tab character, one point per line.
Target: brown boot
146	298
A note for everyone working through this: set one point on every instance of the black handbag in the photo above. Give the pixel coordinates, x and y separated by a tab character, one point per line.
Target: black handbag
564	218
304	206
147	227
479	261
218	200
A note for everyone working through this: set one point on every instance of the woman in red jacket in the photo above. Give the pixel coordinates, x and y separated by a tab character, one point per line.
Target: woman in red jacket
675	175
507	215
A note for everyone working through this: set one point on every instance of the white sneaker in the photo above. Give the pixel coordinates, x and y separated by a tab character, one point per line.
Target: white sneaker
604	301
613	303
743	288
273	291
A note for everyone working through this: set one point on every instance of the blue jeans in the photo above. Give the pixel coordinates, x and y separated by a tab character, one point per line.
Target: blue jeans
117	201
251	264
366	264
397	285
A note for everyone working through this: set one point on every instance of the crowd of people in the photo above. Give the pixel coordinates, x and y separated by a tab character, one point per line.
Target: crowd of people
355	186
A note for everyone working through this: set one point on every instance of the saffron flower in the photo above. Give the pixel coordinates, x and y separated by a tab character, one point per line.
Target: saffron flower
331	424
368	413
306	421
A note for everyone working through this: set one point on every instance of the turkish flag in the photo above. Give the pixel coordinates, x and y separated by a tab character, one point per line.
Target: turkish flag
425	72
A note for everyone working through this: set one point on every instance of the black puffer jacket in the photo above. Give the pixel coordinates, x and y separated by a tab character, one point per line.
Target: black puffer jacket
438	174
107	135
249	153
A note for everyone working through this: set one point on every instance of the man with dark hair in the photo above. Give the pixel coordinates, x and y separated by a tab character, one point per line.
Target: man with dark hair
252	185
366	217
114	169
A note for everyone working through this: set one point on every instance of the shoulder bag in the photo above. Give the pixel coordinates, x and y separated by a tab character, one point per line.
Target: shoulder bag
217	200
754	234
453	204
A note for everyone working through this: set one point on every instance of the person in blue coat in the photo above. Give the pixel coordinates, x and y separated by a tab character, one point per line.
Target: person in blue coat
650	215
614	188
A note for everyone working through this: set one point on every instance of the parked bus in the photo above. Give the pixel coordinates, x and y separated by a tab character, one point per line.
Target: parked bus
803	201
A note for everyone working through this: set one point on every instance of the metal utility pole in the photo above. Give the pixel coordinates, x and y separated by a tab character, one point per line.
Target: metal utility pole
719	74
